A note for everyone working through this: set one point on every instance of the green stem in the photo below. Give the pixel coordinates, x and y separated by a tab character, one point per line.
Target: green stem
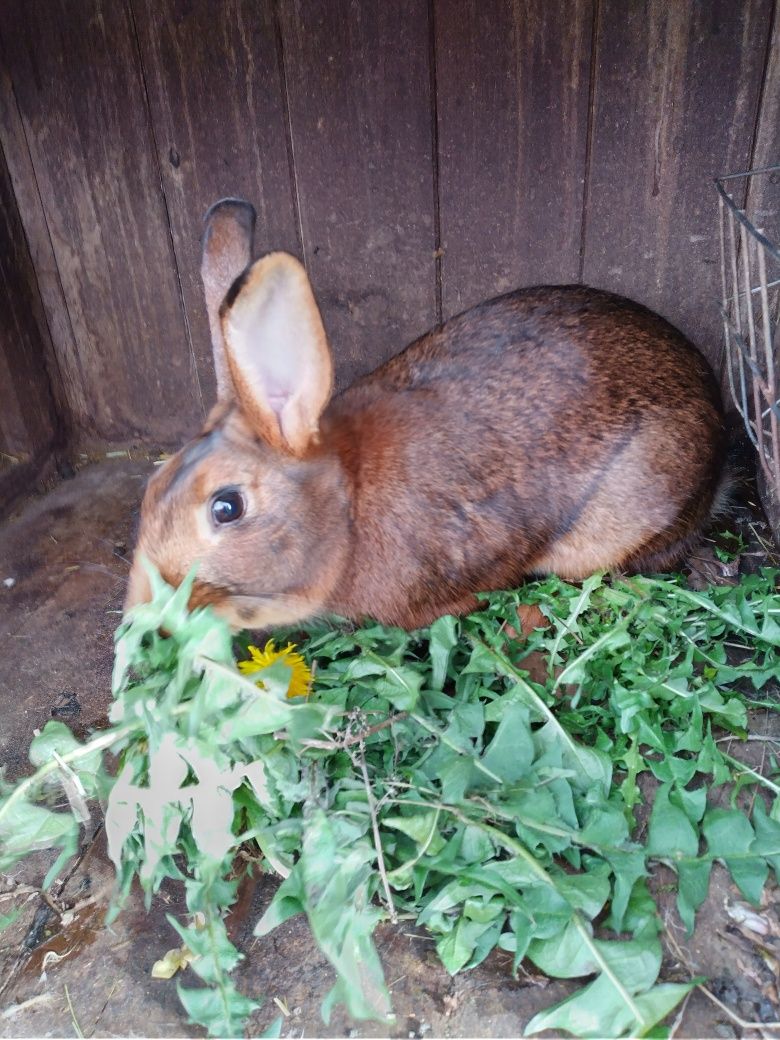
772	705
705	604
752	772
423	848
519	850
440	735
601	960
532	698
573	836
107	739
594	648
390	668
208	913
567	627
521	684
101	743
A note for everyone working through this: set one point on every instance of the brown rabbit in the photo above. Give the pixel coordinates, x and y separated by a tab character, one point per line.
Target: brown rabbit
553	429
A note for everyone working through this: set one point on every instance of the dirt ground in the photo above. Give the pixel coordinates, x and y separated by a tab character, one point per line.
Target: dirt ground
63	568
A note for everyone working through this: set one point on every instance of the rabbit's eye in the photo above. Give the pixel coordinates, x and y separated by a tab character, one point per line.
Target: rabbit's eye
227	505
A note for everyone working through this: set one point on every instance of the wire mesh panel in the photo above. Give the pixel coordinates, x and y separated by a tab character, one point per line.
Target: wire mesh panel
750	306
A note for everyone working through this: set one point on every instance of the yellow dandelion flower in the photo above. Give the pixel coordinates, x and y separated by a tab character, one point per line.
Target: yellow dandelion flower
301	678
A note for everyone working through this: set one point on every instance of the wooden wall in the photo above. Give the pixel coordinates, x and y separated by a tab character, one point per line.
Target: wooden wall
418	155
29	425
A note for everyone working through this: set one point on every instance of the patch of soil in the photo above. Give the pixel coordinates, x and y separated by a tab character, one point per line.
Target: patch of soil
63	572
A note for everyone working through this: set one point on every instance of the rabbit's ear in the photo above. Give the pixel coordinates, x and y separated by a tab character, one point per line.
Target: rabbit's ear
227	251
277	351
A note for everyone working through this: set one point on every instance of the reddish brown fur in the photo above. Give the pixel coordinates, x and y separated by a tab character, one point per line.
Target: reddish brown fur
476	449
552	428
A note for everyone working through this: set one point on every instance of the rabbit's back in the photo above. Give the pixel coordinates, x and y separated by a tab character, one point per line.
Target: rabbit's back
560	340
552	429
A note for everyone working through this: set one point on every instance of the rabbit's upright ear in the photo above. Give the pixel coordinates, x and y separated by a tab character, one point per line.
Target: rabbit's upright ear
227	251
277	351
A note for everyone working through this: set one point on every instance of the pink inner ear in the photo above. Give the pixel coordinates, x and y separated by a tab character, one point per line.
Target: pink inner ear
277	402
277	391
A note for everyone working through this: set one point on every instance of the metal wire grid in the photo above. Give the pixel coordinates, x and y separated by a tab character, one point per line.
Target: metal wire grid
750	307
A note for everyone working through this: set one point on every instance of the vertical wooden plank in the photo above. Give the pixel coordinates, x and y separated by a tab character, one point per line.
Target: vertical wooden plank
675	99
358	78
216	96
60	357
75	72
763	202
512	97
28	425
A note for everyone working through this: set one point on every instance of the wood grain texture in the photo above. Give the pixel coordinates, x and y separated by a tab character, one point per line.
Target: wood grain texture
28	425
513	79
763	200
75	72
60	356
359	91
216	95
675	95
122	120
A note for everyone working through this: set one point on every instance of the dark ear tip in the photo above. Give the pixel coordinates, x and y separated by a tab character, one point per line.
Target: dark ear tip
235	288
240	210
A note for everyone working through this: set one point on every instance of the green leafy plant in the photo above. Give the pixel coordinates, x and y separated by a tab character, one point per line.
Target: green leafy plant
729	546
482	784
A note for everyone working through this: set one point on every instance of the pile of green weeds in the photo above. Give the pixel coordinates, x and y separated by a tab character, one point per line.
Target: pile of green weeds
437	776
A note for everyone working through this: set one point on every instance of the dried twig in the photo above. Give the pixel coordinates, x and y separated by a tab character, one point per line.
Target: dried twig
734	1016
350	738
683	959
570	630
50	903
105	1005
22	890
380	859
750	736
75	1021
767	546
96	897
680	1015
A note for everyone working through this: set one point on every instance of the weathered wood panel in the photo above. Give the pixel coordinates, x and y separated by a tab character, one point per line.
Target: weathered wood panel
359	92
76	76
216	94
763	202
28	426
513	79
60	348
367	134
675	95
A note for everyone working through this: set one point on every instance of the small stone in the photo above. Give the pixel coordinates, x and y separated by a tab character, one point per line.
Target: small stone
725	1030
746	1008
767	1012
9	582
